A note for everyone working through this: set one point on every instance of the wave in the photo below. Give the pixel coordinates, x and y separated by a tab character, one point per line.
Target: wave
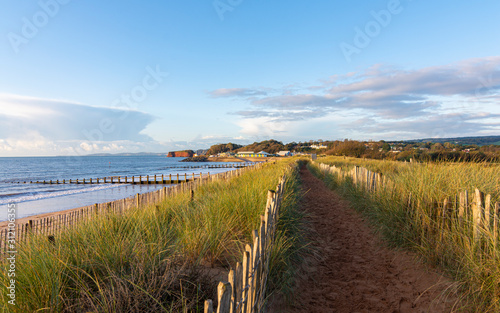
24	197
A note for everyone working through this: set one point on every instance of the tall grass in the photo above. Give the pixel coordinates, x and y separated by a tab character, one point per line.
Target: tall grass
408	213
150	259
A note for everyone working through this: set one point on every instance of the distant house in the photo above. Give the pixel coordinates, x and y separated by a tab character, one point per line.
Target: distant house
251	154
244	154
263	154
284	153
318	147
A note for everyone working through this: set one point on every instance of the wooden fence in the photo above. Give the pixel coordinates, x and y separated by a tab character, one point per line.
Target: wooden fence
476	210
55	224
245	289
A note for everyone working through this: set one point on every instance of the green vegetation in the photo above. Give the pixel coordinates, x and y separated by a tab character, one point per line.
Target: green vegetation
408	213
467	149
224	147
158	258
199	158
418	151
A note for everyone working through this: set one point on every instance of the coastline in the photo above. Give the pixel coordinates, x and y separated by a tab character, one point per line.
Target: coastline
37	217
237	159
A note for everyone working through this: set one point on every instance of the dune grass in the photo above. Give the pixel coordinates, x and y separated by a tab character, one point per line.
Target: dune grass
407	214
156	258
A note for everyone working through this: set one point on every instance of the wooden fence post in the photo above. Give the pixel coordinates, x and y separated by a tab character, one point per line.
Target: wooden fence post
209	308
244	281
224	294
477	213
463	204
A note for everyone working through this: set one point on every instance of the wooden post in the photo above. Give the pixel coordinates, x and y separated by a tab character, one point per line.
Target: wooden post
209	308
91	181
155	178
147	179
464	204
224	291
244	282
477	213
138	200
192	195
84	181
487	212
232	281
496	216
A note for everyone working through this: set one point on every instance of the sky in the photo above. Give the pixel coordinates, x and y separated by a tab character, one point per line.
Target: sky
83	77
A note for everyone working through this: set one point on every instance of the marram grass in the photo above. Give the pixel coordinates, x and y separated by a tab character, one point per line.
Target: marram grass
410	221
153	258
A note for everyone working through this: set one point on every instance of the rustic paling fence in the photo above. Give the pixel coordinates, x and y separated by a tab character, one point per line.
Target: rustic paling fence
244	291
55	224
476	212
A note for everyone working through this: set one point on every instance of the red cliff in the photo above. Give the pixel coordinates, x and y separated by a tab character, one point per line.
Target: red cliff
180	154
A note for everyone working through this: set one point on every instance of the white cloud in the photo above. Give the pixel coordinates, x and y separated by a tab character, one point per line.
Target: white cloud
389	97
64	120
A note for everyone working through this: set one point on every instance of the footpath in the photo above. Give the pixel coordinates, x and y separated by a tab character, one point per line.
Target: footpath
352	271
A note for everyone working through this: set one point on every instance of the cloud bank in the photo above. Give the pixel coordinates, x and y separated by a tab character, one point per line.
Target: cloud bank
47	126
460	98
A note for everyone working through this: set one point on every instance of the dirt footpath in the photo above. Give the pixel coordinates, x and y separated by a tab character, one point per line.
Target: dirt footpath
353	272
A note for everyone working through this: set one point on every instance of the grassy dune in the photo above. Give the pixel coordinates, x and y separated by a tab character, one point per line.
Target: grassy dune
156	258
408	214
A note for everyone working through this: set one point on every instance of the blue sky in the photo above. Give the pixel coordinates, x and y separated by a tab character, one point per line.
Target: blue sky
82	77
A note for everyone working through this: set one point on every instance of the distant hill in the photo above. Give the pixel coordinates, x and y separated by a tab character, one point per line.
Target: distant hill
479	140
270	146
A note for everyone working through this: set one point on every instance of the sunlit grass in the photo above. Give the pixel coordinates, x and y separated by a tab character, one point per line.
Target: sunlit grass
154	258
408	212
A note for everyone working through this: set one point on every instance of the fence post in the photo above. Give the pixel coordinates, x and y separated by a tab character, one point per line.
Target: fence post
224	295
244	281
138	200
464	204
477	213
209	308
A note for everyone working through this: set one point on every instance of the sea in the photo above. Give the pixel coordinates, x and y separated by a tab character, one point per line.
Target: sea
32	199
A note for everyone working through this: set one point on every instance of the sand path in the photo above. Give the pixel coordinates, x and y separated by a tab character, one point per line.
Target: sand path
353	272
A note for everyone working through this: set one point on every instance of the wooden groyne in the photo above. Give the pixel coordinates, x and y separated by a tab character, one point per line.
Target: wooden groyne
135	180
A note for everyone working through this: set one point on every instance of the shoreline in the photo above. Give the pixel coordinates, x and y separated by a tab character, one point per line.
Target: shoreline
37	217
239	160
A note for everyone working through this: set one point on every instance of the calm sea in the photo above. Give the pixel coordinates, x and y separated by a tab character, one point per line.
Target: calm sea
34	199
